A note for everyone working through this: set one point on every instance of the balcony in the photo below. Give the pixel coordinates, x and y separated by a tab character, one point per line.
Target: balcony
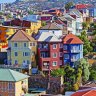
73	59
75	51
45	58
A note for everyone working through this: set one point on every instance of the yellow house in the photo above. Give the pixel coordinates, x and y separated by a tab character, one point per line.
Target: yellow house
13	83
35	22
22	49
6	32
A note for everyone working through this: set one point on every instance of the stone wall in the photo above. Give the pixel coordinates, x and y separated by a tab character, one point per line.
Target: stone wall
53	86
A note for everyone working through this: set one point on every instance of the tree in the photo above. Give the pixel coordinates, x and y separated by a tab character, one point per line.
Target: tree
93	72
83	64
87	45
69	77
68	5
84	25
58	72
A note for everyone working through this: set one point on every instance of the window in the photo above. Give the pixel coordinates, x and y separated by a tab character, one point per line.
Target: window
26	54
28	62
32	44
10	87
15	44
15	62
54	63
24	44
65	47
61	45
66	56
54	46
60	54
33	53
54	55
16	54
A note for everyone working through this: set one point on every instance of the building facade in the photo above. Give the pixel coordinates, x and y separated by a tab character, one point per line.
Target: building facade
21	49
49	51
14	84
72	49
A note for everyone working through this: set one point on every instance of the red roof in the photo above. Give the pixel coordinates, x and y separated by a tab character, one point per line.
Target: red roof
85	93
79	93
60	22
82	6
71	39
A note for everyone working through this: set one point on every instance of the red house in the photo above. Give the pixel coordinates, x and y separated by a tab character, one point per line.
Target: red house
49	51
46	17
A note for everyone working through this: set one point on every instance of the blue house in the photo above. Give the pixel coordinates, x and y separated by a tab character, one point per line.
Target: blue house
72	49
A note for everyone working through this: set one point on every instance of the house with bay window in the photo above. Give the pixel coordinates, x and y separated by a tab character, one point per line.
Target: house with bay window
72	49
49	51
22	49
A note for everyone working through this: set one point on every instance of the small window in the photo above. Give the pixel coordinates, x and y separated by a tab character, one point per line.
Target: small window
24	44
16	62
66	56
54	63
33	53
26	54
54	46
15	44
54	55
16	53
65	47
10	86
61	45
28	62
60	54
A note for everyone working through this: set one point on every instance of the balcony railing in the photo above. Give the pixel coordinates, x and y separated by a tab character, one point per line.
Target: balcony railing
75	51
73	59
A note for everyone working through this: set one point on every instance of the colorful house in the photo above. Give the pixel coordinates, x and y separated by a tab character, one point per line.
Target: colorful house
21	49
49	51
5	33
72	49
53	28
79	20
35	22
13	83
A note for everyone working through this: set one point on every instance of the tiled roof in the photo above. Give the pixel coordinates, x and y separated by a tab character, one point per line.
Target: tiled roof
51	26
71	39
10	75
48	37
79	93
85	93
21	35
82	6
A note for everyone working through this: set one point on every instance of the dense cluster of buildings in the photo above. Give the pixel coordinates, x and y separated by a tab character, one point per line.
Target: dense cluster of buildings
44	41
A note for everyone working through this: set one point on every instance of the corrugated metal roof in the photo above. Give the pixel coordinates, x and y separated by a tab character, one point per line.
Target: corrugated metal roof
10	75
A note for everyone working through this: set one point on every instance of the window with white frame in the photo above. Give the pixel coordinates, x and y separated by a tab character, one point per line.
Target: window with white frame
16	53
32	44
61	45
25	44
54	46
15	44
65	47
66	56
54	55
28	62
33	53
60	54
54	63
15	62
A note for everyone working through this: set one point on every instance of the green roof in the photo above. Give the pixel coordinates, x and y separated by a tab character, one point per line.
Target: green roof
11	75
